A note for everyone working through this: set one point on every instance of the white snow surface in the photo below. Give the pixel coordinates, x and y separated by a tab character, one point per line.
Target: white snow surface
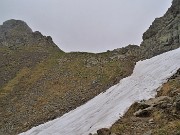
106	108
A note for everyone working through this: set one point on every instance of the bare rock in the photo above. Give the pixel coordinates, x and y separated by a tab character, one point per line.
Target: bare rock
151	121
104	131
177	103
148	133
156	101
143	112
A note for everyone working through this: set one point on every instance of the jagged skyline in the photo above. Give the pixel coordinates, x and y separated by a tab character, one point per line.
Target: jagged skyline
92	26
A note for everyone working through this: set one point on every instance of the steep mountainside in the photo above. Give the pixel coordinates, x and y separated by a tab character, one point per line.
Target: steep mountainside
20	47
39	82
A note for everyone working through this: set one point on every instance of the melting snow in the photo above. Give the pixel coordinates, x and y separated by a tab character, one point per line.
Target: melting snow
106	108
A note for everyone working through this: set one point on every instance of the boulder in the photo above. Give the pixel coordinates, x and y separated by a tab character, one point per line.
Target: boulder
177	102
104	131
178	105
144	112
157	100
148	133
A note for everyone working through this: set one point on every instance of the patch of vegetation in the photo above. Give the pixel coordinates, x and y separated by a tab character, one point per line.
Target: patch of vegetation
11	84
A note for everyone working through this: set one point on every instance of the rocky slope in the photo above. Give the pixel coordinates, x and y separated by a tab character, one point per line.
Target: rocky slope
20	47
39	82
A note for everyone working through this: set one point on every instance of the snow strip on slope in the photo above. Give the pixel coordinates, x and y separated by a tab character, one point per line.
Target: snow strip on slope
103	110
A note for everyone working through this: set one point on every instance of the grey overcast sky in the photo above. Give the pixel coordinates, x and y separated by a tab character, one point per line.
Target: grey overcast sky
87	25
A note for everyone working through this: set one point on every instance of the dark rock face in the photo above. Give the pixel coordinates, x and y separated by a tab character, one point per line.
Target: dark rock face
164	33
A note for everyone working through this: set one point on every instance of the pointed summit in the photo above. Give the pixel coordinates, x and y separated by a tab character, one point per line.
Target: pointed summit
16	33
14	28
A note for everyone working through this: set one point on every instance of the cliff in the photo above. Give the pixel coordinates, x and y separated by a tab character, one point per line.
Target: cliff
164	33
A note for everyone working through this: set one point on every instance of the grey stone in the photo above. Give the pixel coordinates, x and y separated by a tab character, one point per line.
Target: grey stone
156	101
178	105
148	133
143	112
151	121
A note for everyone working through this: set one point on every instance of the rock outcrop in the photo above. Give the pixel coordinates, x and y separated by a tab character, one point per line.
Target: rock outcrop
16	33
164	33
162	36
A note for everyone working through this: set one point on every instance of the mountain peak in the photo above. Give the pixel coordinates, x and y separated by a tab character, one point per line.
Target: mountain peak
16	33
15	25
